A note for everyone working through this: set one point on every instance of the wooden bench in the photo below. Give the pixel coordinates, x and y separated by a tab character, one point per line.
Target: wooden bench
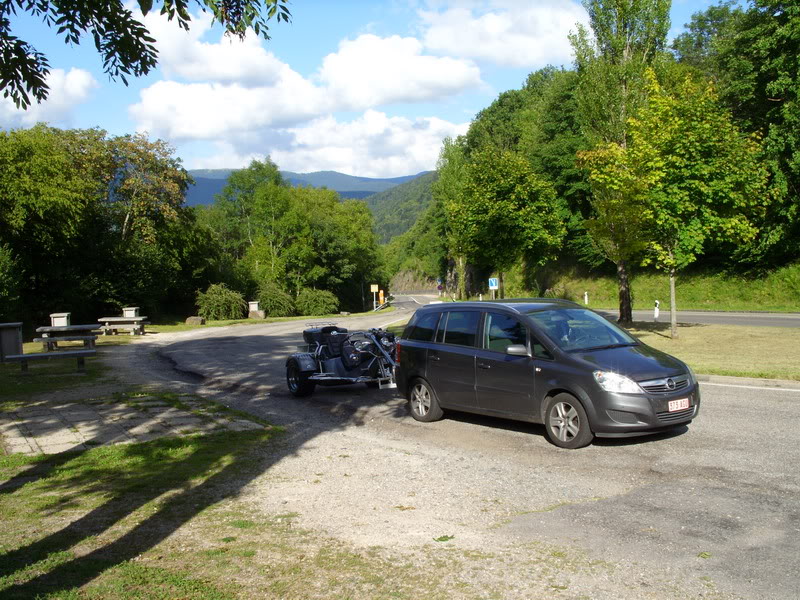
80	355
49	344
111	325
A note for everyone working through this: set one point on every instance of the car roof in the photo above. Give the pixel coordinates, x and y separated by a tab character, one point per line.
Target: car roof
519	305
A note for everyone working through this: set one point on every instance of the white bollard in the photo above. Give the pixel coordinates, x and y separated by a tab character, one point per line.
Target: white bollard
586	298
655	312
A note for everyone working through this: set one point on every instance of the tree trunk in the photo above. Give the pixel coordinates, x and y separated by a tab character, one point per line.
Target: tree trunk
625	309
462	277
501	285
673	309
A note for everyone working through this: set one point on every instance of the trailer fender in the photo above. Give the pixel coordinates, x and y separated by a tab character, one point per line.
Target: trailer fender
305	361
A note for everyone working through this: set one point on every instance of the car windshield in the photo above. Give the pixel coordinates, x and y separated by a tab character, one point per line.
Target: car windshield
575	329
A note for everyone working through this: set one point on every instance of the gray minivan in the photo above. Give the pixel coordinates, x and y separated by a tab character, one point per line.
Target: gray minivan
543	361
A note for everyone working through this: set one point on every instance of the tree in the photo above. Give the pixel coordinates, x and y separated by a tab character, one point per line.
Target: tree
709	181
698	46
687	177
123	42
461	223
148	185
514	210
759	70
629	36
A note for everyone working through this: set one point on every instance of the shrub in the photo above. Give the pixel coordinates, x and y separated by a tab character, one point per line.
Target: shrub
9	285
274	301
316	302
219	302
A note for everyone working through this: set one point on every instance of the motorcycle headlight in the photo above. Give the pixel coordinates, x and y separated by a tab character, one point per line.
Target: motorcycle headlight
614	382
386	341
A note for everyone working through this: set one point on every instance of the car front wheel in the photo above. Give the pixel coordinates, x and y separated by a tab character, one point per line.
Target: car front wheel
566	422
423	402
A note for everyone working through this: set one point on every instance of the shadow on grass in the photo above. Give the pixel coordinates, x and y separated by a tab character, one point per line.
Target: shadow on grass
659	328
129	498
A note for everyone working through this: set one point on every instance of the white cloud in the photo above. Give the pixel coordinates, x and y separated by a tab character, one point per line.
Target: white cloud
248	103
230	60
67	90
196	111
508	32
372	145
365	73
372	71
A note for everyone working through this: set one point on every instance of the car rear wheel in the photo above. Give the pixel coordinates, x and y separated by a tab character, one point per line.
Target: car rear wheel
423	402
297	381
566	422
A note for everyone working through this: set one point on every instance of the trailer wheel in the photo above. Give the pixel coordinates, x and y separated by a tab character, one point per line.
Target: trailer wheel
297	381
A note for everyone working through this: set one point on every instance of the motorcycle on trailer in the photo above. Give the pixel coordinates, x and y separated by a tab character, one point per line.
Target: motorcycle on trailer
333	355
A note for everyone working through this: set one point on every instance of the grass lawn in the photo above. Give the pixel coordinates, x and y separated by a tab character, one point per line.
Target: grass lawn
769	352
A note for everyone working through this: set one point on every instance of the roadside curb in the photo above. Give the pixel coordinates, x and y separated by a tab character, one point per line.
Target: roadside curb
750	381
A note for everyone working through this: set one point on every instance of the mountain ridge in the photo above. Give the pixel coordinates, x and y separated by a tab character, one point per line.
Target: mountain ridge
209	182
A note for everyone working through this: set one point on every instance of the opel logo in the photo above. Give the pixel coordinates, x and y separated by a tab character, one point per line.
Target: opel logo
670	384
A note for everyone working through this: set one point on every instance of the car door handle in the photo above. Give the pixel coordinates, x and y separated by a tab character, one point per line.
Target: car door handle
434	357
482	365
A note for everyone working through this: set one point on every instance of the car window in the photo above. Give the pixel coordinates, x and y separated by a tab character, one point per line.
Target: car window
500	331
580	329
425	327
461	328
539	351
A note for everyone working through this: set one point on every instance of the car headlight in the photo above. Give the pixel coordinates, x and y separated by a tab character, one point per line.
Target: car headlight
614	382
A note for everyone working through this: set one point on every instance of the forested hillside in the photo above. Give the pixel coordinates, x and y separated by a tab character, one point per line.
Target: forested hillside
210	182
397	209
642	156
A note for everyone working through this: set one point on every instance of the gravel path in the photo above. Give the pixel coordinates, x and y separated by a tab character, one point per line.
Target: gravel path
686	515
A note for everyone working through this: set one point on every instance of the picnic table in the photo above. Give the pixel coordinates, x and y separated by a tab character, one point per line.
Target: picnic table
111	325
52	335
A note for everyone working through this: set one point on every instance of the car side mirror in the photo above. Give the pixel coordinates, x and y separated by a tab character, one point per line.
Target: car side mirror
517	350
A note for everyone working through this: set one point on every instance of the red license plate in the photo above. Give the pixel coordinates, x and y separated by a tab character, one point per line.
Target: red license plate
679	404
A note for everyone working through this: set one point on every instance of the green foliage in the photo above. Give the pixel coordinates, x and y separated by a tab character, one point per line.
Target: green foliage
316	302
705	179
124	43
697	47
514	211
218	303
274	301
9	285
759	69
398	208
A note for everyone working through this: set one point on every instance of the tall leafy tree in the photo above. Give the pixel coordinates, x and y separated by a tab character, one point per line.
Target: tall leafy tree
125	44
462	224
628	36
691	175
148	185
515	211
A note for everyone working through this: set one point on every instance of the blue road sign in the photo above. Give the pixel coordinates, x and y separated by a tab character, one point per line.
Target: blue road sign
494	283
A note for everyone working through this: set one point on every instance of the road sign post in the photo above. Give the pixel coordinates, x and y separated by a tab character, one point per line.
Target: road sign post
374	289
494	284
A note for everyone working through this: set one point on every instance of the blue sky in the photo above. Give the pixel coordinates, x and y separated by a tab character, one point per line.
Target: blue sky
365	88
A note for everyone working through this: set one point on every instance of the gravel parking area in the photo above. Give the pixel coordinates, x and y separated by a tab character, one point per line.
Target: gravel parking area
495	510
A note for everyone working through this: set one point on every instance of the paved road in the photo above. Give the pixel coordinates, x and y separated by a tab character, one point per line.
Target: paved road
763	319
714	506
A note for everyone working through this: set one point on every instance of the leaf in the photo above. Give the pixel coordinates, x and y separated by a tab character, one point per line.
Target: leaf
444	538
145	6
